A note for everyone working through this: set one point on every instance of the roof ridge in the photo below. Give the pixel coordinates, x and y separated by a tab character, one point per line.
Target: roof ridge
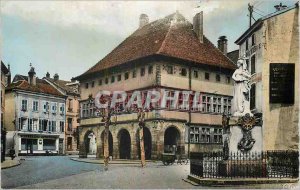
164	41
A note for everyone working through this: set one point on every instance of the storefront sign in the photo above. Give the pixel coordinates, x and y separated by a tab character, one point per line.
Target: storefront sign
282	83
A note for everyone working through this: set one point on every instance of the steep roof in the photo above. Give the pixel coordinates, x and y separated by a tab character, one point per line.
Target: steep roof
233	55
171	36
20	82
68	86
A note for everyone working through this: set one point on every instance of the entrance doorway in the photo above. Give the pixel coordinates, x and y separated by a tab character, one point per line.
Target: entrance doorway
110	143
171	140
124	144
90	143
147	143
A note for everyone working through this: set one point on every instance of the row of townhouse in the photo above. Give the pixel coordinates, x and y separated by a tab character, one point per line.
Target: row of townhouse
41	115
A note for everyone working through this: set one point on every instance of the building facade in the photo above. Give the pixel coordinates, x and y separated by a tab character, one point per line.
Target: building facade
272	45
71	90
166	55
5	78
35	116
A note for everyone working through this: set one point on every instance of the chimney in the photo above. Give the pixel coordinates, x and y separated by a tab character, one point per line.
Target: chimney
47	75
198	25
144	20
8	75
31	76
56	77
222	44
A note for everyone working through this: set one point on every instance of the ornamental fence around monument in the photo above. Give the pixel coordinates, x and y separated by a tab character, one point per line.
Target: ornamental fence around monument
266	164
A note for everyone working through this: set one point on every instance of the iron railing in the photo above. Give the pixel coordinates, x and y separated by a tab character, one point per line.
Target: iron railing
267	164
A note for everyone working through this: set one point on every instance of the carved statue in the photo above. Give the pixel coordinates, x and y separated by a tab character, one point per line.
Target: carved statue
240	102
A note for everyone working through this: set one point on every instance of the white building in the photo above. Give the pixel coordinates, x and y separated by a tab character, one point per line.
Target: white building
35	116
272	46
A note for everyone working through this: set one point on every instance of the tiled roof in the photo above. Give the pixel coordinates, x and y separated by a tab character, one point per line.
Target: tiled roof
171	36
234	56
20	82
68	86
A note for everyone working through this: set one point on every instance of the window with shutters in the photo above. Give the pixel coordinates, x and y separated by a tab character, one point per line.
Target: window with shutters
253	64
252	97
24	105
35	106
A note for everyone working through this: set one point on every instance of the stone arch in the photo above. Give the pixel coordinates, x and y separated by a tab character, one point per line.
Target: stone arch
124	142
147	143
90	142
110	143
172	139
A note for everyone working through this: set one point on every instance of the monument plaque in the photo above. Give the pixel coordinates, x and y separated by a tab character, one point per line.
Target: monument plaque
282	83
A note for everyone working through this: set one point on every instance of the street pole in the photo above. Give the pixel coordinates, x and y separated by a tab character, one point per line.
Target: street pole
250	9
106	120
141	119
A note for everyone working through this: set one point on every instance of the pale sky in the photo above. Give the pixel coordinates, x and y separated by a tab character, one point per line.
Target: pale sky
69	37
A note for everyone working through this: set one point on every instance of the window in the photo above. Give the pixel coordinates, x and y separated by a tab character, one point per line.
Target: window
228	79
253	39
35	124
142	71
133	73
30	124
195	74
126	75
150	69
70	108
205	135
69	124
247	45
216	103
93	84
35	105
49	144
112	79
218	78
100	82
53	107
183	72
106	80
86	85
119	77
252	97
252	64
62	109
170	69
62	126
24	105
206	76
46	106
53	126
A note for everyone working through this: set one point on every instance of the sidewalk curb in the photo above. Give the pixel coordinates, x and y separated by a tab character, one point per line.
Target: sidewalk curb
114	162
239	181
11	166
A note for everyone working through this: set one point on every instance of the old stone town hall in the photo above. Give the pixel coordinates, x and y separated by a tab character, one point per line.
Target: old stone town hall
167	54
